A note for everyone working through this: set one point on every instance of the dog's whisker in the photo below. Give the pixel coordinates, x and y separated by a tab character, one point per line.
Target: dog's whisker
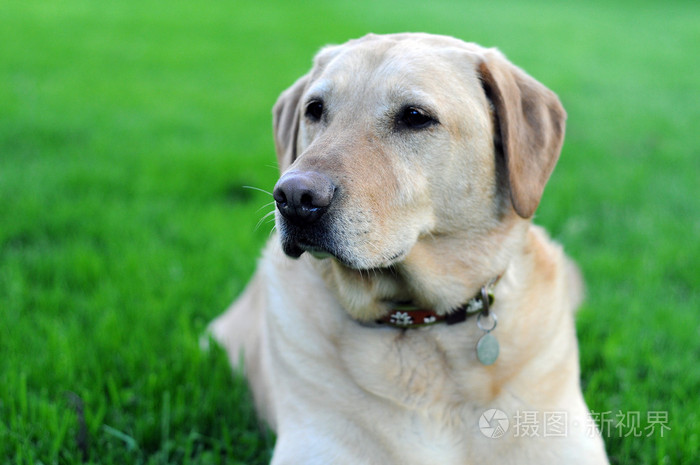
264	217
258	189
268	214
270	220
265	206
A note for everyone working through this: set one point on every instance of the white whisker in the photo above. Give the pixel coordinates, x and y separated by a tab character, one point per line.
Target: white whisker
264	206
257	189
264	217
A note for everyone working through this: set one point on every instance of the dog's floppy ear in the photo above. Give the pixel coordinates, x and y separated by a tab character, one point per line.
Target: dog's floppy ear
531	121
285	123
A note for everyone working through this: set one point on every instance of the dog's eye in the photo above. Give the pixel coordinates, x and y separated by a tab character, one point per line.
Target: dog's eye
415	118
314	110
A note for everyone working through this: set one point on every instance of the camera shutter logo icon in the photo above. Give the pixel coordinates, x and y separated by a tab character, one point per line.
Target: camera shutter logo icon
493	423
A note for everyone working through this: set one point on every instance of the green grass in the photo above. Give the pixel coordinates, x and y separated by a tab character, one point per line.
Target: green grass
128	130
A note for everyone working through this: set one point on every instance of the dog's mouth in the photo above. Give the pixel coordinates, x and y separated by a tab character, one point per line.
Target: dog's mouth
331	249
352	248
314	250
295	243
319	252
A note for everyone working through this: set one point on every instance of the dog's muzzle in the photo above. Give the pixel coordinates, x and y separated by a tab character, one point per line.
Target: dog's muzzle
303	197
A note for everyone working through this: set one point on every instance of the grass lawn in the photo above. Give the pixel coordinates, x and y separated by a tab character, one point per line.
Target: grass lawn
128	130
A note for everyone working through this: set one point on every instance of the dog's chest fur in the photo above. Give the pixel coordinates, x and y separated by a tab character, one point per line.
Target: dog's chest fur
427	383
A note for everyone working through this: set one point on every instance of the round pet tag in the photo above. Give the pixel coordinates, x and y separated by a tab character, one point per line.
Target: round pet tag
487	349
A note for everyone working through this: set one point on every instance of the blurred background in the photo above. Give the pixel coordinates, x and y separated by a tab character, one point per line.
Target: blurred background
129	130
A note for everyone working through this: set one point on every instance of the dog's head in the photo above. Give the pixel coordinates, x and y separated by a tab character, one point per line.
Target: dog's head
392	139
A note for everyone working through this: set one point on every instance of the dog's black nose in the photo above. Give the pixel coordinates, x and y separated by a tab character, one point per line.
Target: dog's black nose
303	197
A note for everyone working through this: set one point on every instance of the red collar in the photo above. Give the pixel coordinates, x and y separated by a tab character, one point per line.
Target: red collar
405	315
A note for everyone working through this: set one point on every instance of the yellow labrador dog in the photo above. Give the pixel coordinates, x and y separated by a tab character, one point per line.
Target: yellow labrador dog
429	321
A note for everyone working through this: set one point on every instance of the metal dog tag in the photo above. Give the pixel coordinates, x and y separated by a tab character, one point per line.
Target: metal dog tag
487	349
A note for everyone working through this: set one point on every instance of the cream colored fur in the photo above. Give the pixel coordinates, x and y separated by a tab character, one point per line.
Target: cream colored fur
429	216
